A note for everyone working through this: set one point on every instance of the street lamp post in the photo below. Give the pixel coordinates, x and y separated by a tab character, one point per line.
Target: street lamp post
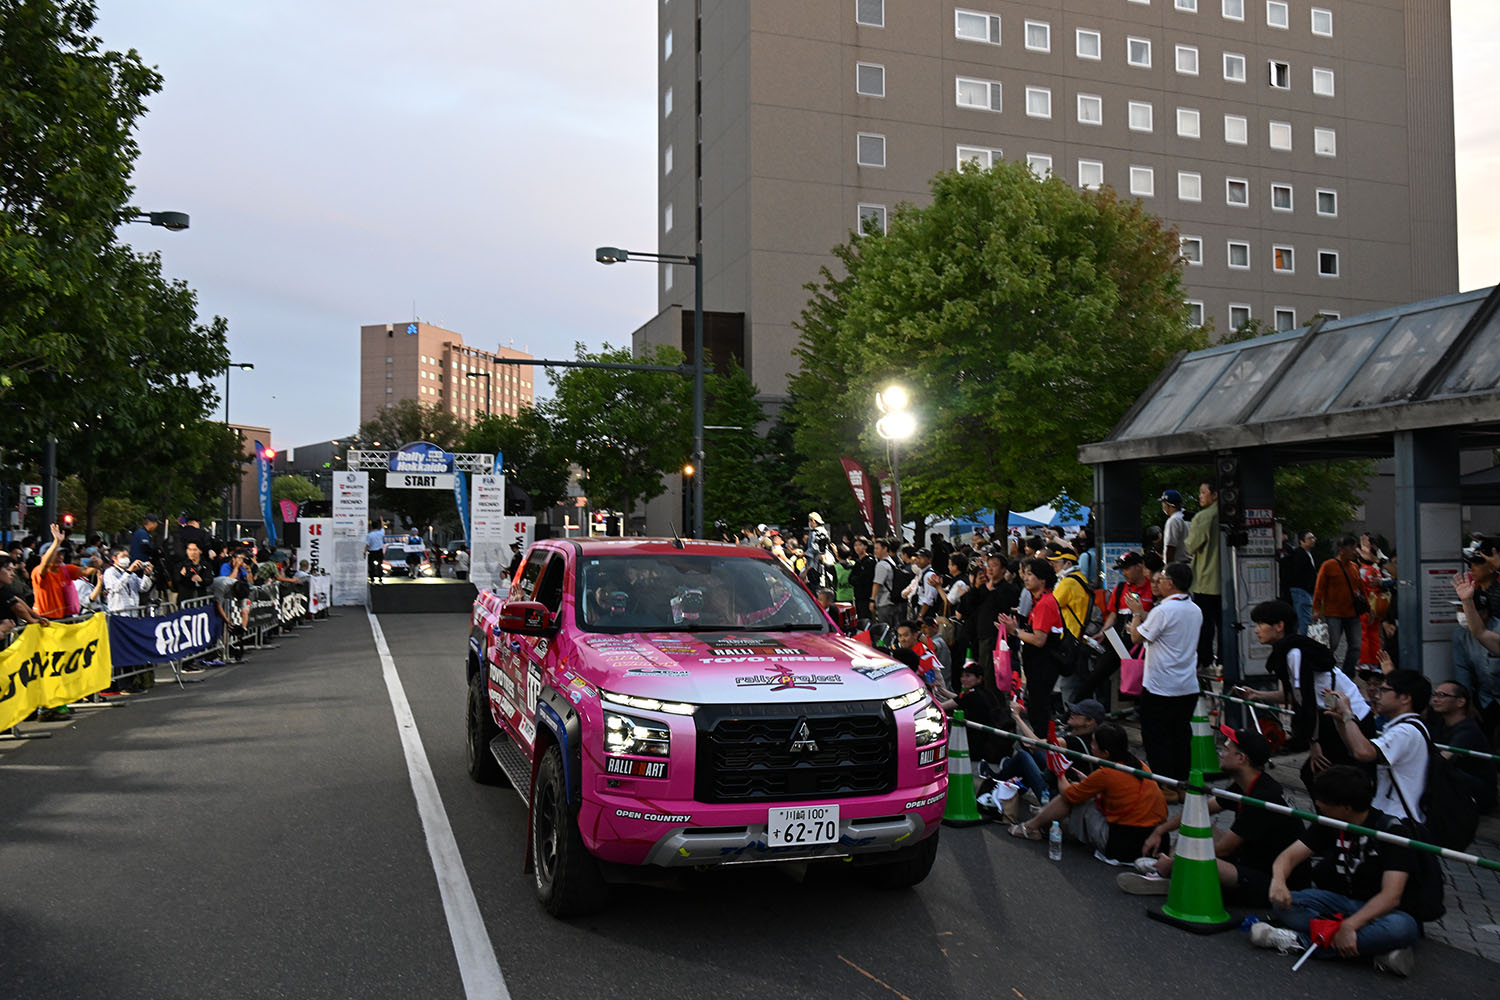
173	221
895	425
244	366
486	376
614	255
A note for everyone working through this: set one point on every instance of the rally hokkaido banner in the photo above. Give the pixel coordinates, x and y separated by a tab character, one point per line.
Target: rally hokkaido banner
859	482
51	665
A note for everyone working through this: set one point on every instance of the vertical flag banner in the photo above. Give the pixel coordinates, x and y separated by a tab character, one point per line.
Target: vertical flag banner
499	467
289	510
263	473
887	501
859	482
461	497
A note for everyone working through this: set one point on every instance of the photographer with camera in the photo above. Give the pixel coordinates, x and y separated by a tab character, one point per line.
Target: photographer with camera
125	580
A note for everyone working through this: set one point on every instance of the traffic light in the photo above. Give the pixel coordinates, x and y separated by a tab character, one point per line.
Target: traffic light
270	454
67	522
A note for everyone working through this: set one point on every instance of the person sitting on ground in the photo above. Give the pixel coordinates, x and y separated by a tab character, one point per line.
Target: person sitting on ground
1111	811
1248	849
1454	722
1028	763
979	704
1307	673
1366	880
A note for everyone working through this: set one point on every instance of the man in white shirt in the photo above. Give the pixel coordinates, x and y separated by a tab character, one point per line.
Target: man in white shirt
1174	533
1170	681
882	600
1400	751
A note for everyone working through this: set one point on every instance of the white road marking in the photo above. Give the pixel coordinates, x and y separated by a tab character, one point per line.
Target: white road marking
477	964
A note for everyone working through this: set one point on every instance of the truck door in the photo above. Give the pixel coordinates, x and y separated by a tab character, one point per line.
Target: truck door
514	703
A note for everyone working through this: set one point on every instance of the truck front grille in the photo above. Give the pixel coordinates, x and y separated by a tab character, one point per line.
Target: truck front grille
750	753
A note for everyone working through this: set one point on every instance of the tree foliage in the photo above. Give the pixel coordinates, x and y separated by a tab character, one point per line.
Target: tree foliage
1022	316
739	486
625	429
533	457
295	489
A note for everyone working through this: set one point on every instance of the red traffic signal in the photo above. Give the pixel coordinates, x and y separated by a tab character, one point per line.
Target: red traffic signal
270	454
67	520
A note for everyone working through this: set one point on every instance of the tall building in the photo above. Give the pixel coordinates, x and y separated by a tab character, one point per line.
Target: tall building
417	360
1304	150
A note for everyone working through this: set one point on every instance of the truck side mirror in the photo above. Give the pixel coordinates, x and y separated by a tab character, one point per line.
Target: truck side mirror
525	618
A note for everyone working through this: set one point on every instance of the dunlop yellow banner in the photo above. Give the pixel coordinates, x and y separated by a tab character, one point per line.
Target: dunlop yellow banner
53	665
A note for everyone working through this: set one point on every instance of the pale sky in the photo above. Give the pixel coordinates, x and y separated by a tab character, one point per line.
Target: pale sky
348	163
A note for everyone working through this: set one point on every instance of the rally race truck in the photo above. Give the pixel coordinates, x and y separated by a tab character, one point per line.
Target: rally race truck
668	704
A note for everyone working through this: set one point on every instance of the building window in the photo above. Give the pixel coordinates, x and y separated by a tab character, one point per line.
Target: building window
1328	202
1286	319
1189	186
1239	255
1325	143
1236	130
1138	52
1322	81
1281	135
1191	6
1038	102
390	374
983	95
1234	67
1328	263
976	26
666	46
1189	123
1281	197
1040	164
666	278
1143	182
1192	250
1277	15
666	161
870	150
666	104
1237	191
1090	174
1280	74
870	12
1329	314
986	158
1322	22
1283	260
1090	109
1038	36
869	79
1187	60
871	216
1088	46
1234	10
1195	312
666	218
1239	316
1140	116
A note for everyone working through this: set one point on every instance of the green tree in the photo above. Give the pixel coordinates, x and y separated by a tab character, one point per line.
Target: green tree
534	459
295	489
738	485
624	429
403	423
1022	316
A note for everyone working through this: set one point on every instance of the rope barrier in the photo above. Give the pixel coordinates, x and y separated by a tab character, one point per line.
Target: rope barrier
1185	786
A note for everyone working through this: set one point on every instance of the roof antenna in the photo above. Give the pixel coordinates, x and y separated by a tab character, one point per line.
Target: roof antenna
676	541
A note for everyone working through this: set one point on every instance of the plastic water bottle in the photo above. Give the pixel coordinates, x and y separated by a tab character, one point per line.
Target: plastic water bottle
1054	842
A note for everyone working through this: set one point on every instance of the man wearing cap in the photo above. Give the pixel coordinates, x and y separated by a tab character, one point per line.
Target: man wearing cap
1174	533
1249	848
142	548
817	536
1071	591
928	583
1132	567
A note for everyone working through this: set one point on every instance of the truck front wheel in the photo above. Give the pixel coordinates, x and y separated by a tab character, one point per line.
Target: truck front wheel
568	881
912	866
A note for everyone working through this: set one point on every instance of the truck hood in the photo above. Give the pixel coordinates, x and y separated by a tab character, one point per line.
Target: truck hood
737	668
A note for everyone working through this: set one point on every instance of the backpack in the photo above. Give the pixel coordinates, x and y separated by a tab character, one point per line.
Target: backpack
1452	815
1422	898
1093	619
901	577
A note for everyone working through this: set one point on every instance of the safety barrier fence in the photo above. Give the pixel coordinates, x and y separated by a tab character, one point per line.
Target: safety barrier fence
238	624
1302	814
1284	710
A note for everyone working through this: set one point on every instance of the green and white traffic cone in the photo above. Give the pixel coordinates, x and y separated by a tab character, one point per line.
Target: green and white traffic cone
1202	754
960	809
1195	901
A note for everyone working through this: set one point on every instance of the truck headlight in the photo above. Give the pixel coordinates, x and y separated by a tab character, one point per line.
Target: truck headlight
628	735
930	724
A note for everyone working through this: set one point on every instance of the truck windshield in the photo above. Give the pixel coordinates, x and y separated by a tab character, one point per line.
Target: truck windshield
686	593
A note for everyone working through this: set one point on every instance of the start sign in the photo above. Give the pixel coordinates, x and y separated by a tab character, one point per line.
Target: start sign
419	481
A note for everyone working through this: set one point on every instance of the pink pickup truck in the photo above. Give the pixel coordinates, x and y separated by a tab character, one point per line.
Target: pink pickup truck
666	704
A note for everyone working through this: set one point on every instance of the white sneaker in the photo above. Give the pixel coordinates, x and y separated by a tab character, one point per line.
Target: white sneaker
1139	884
1398	963
1283	939
1145	866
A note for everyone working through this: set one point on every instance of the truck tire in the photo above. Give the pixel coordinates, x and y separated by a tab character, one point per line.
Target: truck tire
909	869
479	729
568	881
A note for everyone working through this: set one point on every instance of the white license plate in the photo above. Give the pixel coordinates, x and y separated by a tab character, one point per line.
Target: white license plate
801	826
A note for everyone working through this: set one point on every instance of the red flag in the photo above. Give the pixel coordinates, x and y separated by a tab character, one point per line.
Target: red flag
1056	763
859	482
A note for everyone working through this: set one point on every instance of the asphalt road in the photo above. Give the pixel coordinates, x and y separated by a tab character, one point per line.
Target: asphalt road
256	835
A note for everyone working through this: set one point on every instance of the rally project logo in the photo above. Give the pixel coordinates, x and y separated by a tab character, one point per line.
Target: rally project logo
784	678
